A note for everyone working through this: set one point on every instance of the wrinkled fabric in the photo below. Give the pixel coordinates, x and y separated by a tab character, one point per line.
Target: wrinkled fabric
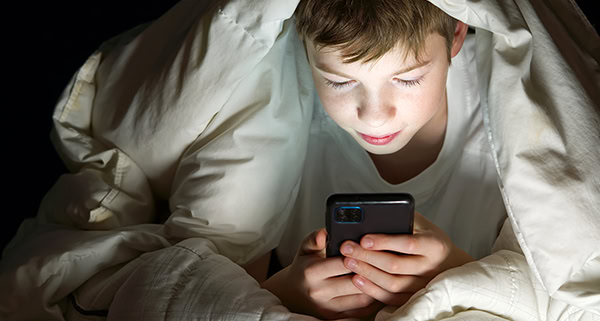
208	108
172	284
544	131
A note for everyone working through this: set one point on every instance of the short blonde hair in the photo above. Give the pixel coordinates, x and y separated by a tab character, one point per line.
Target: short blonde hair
365	30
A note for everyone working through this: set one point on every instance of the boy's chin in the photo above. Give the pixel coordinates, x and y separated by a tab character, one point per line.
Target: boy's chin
380	150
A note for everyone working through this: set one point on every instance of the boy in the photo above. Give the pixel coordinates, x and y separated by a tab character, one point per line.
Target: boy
381	70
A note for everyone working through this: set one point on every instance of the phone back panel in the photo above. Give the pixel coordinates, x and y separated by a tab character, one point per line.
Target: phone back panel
381	214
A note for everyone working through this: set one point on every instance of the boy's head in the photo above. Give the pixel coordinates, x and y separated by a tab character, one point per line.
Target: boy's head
380	66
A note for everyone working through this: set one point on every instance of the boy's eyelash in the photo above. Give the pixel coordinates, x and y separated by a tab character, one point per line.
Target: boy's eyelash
405	83
337	85
410	83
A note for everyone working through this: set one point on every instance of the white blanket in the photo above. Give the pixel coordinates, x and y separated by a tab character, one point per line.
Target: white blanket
181	110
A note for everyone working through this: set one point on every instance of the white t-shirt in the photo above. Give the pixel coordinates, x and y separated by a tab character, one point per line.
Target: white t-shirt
458	192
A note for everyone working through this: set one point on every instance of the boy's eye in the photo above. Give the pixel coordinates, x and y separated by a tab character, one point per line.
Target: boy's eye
338	85
409	83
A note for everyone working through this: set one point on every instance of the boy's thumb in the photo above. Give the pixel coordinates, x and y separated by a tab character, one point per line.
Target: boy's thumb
313	243
421	222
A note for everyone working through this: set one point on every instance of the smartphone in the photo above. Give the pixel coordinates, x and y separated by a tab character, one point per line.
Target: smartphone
352	216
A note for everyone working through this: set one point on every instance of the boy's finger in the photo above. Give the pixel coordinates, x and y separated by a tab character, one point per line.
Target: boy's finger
389	282
320	270
321	238
386	261
351	302
421	222
381	295
415	244
339	286
313	243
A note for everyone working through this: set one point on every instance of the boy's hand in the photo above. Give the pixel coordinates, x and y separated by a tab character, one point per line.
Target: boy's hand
319	286
407	265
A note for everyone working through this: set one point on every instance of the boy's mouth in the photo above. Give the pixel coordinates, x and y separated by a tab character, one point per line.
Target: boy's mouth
379	140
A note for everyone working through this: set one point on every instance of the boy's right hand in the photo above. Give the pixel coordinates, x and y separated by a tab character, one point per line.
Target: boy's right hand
320	286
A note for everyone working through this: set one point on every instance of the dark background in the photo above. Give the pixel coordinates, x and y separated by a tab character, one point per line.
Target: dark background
43	47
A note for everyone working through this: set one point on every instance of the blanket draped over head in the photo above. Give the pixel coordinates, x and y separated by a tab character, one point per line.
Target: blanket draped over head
207	109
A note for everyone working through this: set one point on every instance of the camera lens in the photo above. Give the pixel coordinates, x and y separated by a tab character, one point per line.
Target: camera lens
348	214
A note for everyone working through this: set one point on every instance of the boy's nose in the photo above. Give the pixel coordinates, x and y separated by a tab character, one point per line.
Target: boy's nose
376	115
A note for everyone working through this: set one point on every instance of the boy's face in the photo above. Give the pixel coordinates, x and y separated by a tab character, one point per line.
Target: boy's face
386	103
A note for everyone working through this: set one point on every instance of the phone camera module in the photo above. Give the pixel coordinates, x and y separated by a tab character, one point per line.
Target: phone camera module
348	214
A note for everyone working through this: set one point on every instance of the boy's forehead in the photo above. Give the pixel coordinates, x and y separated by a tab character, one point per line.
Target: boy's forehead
323	56
330	55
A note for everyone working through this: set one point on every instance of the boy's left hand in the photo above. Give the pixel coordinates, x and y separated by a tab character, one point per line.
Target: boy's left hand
391	268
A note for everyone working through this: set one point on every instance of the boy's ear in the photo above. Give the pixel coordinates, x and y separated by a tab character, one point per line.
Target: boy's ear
459	37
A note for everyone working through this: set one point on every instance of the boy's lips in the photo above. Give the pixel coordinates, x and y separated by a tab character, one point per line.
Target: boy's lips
379	140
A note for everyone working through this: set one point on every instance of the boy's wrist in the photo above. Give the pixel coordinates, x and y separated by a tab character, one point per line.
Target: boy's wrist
272	284
458	257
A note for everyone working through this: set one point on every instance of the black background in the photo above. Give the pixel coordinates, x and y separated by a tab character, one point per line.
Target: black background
43	46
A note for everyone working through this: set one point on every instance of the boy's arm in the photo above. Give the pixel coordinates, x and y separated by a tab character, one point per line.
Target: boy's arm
259	268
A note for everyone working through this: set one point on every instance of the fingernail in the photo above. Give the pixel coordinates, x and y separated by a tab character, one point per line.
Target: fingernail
352	264
359	281
368	242
347	249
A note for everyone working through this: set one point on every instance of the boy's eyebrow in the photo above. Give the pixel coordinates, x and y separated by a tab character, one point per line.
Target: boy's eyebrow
326	69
